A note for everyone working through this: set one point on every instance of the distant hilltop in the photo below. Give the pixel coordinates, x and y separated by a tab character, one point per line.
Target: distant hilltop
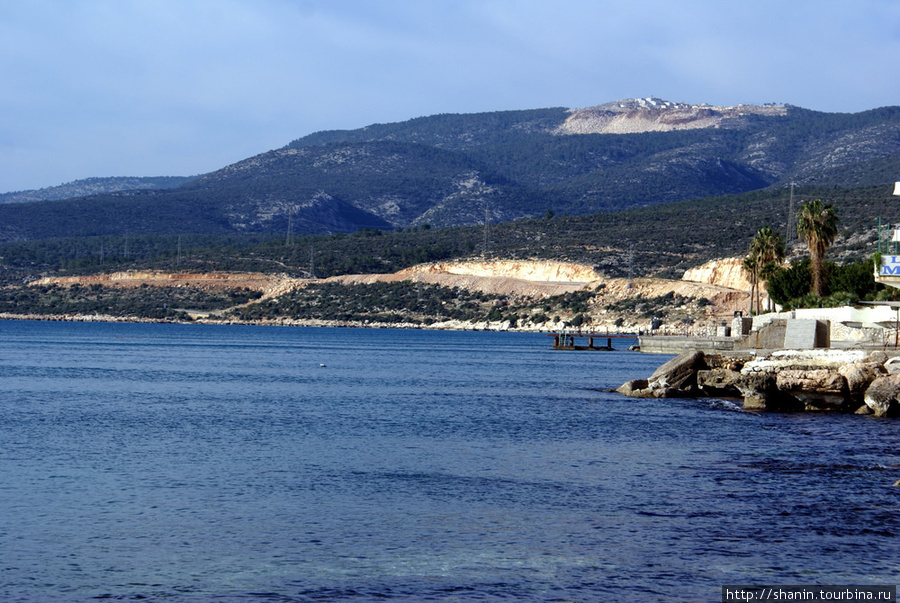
638	115
486	168
95	186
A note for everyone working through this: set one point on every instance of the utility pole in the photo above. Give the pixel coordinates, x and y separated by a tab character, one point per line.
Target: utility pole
289	240
789	234
312	268
484	248
631	266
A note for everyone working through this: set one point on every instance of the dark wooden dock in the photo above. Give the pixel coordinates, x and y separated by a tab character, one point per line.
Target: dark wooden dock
585	341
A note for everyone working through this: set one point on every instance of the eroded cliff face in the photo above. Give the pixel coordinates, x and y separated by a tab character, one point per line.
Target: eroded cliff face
538	271
723	273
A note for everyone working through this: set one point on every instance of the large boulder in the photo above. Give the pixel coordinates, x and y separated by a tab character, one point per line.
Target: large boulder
636	388
883	396
679	373
859	377
759	392
719	382
877	356
892	365
676	378
815	389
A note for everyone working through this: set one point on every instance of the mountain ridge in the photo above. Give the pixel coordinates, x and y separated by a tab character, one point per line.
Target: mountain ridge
465	169
94	186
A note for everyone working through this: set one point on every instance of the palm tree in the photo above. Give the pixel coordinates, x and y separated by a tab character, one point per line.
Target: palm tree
750	264
817	225
764	257
769	247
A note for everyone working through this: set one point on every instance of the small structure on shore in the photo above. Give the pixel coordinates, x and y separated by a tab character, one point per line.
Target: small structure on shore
584	341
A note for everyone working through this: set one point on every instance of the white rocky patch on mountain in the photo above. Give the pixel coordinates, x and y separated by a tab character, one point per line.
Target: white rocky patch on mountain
656	115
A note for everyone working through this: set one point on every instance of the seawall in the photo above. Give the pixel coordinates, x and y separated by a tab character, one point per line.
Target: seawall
673	344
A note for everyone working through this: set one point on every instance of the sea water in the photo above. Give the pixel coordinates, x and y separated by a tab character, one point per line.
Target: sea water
192	463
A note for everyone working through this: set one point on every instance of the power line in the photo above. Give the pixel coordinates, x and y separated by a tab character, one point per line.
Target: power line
289	240
484	249
789	233
631	266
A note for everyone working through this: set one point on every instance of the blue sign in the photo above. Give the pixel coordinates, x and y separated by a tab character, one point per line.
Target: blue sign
890	265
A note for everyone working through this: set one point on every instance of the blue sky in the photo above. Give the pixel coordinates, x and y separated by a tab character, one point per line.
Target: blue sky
180	87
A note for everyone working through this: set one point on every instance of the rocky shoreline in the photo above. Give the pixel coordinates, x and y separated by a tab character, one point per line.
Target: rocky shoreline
822	380
447	325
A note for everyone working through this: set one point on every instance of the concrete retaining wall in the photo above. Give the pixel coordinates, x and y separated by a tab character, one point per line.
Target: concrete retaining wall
664	344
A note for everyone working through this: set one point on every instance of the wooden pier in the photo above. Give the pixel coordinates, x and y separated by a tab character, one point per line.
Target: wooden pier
585	341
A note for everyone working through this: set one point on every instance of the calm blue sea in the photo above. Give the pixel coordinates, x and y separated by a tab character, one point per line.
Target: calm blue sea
183	463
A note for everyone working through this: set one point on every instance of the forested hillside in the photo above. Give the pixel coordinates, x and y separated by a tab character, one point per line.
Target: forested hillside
456	170
659	240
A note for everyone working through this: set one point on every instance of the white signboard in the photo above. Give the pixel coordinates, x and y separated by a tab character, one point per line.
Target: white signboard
890	265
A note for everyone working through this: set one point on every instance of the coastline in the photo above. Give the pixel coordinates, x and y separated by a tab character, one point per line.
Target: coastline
450	325
494	295
862	382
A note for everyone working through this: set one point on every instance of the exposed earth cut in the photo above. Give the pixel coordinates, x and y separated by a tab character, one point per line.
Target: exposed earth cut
713	292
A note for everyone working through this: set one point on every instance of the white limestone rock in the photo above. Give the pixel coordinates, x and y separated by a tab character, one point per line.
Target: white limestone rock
883	396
